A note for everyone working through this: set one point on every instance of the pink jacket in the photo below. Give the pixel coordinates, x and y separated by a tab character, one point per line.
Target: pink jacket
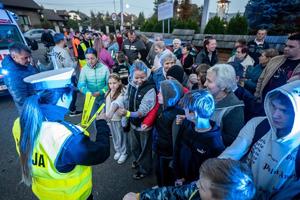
105	57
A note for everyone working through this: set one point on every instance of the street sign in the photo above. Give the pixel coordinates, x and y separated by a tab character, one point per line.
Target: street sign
165	11
114	16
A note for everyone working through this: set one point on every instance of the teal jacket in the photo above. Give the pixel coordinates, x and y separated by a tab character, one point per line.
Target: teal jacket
94	79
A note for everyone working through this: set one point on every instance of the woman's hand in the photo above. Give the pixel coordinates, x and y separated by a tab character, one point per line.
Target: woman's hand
96	94
130	196
122	111
144	126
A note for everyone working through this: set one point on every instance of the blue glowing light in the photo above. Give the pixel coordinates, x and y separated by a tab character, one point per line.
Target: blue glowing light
173	101
202	104
4	72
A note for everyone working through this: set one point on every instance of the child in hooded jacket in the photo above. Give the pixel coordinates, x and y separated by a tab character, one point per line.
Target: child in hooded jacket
198	138
169	95
141	98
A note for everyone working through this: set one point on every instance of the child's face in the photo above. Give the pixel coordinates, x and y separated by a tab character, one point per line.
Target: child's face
139	77
160	97
114	84
168	64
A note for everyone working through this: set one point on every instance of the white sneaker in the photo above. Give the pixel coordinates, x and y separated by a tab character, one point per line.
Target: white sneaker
122	158
117	156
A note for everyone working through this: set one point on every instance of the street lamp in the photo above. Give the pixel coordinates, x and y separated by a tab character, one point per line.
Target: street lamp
222	8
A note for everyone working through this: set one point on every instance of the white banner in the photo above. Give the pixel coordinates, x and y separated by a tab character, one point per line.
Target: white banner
165	11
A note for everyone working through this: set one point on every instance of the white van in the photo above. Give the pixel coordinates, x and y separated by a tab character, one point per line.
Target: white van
9	33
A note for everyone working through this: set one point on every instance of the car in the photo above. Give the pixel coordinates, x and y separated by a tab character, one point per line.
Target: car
36	34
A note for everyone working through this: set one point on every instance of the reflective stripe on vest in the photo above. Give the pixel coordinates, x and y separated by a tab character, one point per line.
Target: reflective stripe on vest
84	48
47	182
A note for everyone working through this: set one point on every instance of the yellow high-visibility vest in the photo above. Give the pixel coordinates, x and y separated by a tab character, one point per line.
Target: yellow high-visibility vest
47	182
84	48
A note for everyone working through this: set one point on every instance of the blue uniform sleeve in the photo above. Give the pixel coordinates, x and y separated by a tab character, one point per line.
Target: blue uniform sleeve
80	150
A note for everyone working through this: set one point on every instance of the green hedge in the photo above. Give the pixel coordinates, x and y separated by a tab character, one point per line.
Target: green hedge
153	25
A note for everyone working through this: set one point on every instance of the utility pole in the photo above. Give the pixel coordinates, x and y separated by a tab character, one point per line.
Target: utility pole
204	15
122	15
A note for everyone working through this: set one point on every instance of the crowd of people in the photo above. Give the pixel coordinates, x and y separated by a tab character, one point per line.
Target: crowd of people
182	110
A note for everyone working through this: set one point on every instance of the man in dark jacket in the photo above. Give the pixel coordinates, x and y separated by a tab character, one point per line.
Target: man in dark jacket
257	45
18	66
86	43
47	38
132	47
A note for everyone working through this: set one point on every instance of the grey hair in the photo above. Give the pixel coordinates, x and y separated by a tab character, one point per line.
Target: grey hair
225	77
176	40
17	47
158	37
167	56
160	44
230	179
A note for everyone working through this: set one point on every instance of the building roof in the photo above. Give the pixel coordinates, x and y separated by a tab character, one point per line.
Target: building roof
62	12
51	15
29	4
80	14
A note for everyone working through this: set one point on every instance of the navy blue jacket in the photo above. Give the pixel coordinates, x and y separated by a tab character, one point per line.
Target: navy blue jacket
78	149
18	89
248	99
193	148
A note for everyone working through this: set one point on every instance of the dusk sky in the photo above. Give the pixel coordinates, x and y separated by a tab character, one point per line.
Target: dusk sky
134	6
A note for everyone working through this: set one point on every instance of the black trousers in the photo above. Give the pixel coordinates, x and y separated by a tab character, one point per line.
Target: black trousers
74	94
164	173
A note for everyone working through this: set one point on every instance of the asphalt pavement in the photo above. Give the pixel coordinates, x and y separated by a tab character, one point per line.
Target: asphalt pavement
111	181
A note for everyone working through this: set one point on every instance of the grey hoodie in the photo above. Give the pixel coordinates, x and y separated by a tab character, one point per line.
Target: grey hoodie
271	159
149	99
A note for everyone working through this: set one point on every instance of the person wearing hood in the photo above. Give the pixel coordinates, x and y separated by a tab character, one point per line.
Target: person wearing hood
198	139
229	113
160	49
169	95
17	67
270	145
167	60
141	98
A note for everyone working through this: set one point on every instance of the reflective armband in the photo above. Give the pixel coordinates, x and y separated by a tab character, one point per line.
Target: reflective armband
127	114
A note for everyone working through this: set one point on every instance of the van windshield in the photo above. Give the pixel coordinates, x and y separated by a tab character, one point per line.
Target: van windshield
9	34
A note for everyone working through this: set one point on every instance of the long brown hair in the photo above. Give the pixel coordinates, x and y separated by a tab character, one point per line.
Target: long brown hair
119	90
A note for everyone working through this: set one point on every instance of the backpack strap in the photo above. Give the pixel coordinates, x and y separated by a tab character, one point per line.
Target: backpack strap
261	129
74	129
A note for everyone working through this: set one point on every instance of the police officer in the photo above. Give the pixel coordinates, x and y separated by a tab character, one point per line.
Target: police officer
56	156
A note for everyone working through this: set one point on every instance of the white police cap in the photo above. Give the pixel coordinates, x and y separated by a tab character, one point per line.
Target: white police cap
58	78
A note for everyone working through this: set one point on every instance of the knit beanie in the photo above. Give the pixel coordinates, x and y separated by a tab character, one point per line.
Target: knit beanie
176	72
171	91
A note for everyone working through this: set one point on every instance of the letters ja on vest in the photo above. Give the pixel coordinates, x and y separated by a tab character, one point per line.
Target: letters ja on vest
47	182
